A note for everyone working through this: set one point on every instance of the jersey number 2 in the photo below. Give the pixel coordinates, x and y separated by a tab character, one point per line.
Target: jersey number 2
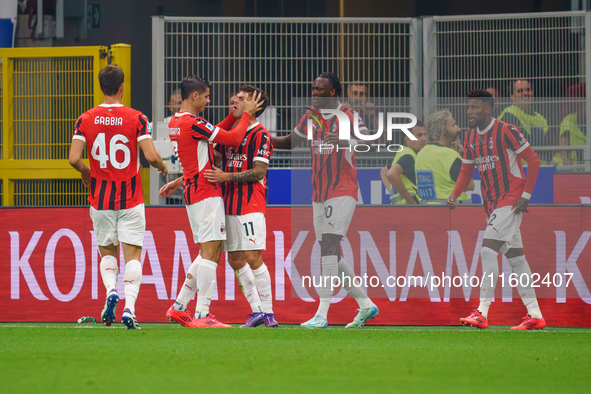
117	143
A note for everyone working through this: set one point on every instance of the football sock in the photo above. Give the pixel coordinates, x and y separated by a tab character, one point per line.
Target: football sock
330	269
131	283
527	293
347	275
249	288
109	271
262	279
206	270
189	287
490	265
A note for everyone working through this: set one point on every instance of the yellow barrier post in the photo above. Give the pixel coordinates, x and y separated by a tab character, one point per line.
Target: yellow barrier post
8	125
121	56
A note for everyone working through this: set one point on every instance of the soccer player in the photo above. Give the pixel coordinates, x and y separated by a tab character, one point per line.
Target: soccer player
244	182
334	183
192	138
496	148
112	133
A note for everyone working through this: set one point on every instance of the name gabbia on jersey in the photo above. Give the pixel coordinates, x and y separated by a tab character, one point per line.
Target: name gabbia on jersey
111	133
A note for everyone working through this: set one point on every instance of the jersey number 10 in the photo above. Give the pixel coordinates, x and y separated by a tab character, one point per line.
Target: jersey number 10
117	143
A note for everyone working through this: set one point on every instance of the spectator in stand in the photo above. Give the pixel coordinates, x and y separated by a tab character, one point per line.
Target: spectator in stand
358	94
522	115
399	176
174	104
572	131
438	164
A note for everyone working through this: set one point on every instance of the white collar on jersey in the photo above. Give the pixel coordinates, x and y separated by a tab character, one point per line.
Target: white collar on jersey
110	105
252	126
182	114
490	125
331	115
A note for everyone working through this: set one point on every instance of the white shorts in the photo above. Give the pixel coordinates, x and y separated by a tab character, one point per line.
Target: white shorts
504	225
124	225
333	216
246	232
208	220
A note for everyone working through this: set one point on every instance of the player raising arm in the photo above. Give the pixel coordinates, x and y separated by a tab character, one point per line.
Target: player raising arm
112	133
244	183
192	138
496	148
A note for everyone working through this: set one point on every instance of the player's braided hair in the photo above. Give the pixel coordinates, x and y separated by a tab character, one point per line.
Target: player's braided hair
191	84
482	95
333	80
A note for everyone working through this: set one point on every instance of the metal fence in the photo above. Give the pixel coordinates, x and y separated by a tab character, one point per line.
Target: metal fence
545	52
44	90
282	56
431	61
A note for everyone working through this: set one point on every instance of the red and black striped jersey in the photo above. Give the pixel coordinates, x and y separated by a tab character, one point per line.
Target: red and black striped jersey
111	133
494	151
241	198
192	139
333	170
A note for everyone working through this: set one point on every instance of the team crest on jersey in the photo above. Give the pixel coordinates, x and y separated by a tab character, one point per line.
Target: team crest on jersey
244	142
334	127
491	144
223	229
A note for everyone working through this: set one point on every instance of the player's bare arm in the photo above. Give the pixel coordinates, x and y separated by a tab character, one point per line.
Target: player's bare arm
170	187
152	156
333	139
290	141
75	159
255	174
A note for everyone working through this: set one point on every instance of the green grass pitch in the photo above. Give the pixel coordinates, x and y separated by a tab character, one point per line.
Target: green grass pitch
163	358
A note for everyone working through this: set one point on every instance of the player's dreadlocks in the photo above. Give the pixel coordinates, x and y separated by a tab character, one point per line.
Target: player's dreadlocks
333	80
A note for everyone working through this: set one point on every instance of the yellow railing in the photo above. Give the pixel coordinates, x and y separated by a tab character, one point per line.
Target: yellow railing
43	91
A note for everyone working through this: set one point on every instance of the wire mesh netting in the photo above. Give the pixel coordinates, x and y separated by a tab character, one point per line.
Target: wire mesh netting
49	95
50	192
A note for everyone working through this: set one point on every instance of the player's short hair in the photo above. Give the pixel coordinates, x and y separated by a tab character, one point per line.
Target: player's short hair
437	125
193	84
333	80
110	79
249	89
483	96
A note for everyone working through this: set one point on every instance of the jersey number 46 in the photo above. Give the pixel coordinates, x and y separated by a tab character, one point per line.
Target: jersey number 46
116	144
